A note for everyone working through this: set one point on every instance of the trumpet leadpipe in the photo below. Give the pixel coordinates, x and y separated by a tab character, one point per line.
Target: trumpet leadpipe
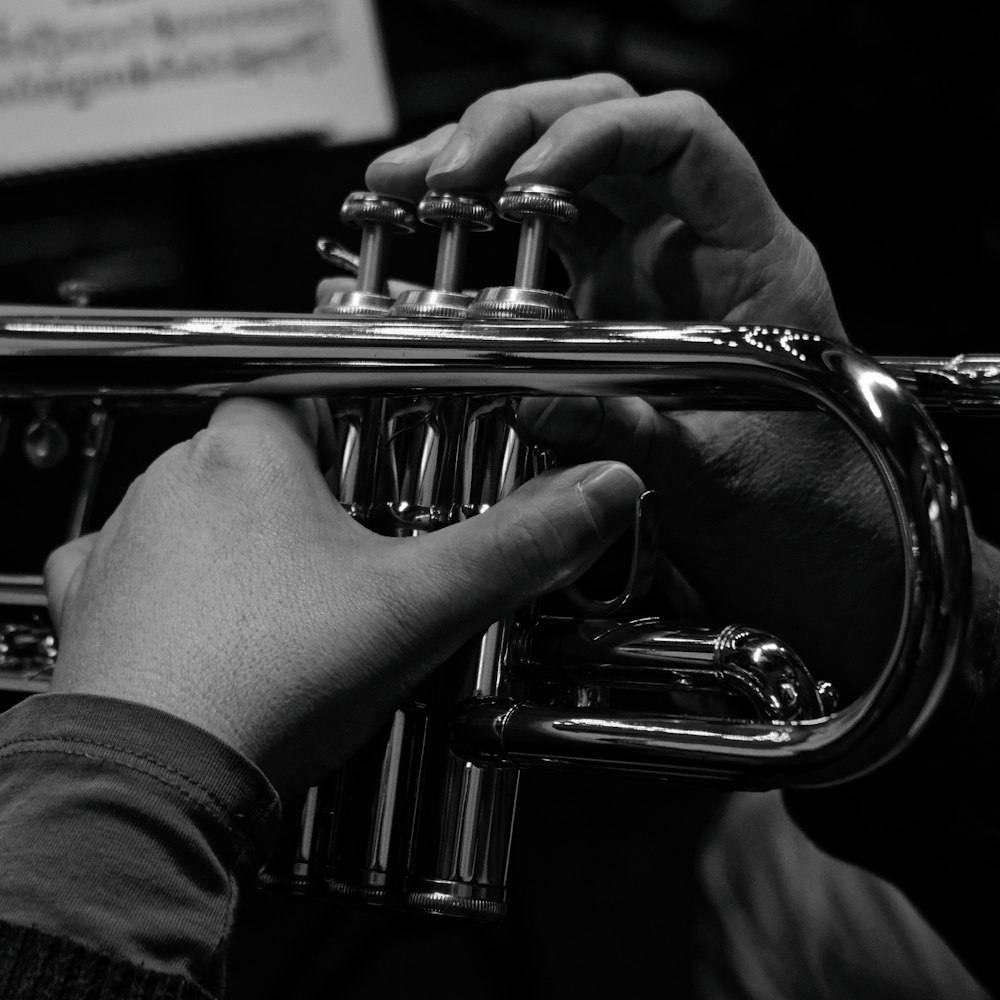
157	354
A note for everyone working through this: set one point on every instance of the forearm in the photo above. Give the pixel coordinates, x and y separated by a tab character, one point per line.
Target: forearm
929	821
125	832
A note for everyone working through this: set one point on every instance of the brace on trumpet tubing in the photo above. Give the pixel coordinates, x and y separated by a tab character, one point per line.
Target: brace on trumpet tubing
423	391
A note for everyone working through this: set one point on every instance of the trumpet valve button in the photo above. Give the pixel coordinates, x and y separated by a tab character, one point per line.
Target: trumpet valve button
474	214
431	303
537	207
521	202
363	209
355	302
378	217
513	303
456	215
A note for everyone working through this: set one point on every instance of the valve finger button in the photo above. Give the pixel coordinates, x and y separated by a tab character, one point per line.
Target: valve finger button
537	207
366	208
456	215
378	217
440	207
540	201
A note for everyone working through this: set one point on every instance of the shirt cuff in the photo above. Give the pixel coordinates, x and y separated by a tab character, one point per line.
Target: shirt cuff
128	830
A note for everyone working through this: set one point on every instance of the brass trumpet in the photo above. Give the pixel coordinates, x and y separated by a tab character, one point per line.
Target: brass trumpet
424	404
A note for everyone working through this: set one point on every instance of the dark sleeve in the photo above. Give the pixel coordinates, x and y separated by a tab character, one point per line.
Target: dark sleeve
125	834
39	966
929	820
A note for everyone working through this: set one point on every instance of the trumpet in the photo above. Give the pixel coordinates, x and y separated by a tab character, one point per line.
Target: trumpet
423	391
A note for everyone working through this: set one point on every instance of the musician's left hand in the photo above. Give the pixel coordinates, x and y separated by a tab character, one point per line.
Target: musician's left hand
229	588
765	514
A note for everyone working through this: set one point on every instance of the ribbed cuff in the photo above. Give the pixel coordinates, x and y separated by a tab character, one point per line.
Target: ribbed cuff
39	966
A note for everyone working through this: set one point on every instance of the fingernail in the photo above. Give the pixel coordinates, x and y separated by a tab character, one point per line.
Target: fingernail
531	160
398	157
455	155
610	492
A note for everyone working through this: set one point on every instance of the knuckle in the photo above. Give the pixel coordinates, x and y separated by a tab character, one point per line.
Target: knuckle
496	102
580	119
54	562
607	86
235	468
508	111
216	451
695	109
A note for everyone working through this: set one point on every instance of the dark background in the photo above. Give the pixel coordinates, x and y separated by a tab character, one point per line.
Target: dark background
875	124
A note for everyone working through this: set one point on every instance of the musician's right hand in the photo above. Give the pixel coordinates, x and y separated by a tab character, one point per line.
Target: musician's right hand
774	519
676	221
764	514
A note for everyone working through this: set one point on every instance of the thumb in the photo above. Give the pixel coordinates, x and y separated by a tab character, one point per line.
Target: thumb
63	571
538	539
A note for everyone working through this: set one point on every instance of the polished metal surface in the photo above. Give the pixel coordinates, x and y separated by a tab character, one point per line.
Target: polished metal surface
641	571
423	392
456	215
338	255
107	355
537	207
425	414
378	217
966	383
96	440
27	654
465	822
648	655
22	590
45	442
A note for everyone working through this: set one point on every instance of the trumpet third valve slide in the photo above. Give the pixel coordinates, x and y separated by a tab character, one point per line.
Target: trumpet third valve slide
424	390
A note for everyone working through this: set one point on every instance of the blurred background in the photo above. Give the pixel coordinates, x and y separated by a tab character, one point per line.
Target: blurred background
875	124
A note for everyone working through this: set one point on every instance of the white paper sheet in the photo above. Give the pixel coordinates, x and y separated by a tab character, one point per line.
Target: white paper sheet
90	80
